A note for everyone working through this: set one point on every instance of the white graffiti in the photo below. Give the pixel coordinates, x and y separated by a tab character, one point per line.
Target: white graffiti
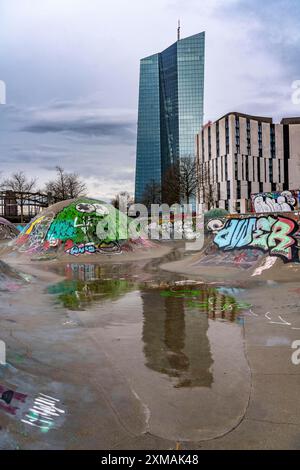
2	353
100	209
270	261
296	354
284	202
44	413
215	225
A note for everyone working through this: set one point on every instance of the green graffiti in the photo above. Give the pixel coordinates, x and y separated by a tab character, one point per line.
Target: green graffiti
281	232
89	224
208	300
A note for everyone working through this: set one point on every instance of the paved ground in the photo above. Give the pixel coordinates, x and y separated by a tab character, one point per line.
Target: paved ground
109	367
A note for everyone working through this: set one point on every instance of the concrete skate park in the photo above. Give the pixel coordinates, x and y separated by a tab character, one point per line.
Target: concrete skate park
115	343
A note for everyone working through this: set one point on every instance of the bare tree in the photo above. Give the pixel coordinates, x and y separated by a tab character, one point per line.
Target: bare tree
171	185
188	178
206	185
21	186
66	185
152	193
180	181
122	201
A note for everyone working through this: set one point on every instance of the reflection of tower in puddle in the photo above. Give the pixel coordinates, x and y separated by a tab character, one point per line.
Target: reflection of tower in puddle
175	340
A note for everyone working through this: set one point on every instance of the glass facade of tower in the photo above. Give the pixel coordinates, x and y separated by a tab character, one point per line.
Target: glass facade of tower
170	109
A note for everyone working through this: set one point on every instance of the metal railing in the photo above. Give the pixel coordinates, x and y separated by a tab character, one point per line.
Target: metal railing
20	207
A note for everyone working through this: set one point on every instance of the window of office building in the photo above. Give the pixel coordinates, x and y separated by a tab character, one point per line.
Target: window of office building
272	141
228	190
258	169
236	168
227	134
249	189
209	143
279	171
271	170
237	134
248	137
218	139
260	152
247	167
218	191
265	168
238	189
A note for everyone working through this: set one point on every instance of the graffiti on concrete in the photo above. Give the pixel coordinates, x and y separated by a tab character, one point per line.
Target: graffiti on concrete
272	234
7	230
76	228
269	263
33	235
91	248
284	201
10	400
2	353
44	413
214	225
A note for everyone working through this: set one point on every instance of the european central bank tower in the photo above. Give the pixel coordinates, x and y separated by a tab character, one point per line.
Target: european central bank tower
170	114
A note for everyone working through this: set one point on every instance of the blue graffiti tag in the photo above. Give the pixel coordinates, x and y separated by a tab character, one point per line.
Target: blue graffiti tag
236	234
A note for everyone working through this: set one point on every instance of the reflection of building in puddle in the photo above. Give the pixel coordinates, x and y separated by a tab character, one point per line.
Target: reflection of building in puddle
78	295
83	272
175	340
90	272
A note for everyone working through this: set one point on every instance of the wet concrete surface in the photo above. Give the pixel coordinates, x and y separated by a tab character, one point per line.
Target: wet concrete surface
133	357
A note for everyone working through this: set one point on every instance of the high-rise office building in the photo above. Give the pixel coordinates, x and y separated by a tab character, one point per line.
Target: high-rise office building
170	109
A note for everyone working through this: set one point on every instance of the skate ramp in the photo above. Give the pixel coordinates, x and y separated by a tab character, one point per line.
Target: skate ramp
239	247
79	227
7	230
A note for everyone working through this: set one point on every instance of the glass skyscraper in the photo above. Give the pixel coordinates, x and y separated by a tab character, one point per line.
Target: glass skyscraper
170	109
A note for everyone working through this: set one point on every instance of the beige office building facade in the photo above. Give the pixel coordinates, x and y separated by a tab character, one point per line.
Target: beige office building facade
239	155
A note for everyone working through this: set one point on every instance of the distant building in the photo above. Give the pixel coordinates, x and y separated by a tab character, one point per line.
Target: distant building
239	155
170	109
10	205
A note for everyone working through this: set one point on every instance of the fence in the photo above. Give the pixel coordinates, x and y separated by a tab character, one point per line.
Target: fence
19	207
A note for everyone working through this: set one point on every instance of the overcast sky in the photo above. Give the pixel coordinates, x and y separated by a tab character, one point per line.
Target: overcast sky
71	70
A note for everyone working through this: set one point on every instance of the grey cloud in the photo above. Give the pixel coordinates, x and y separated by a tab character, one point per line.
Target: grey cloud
82	119
89	127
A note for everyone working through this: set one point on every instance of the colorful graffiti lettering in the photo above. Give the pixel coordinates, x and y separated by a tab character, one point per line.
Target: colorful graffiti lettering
80	225
76	250
284	201
7	230
273	235
91	248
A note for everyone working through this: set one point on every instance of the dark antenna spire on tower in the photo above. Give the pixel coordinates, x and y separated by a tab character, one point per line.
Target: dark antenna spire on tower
178	31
